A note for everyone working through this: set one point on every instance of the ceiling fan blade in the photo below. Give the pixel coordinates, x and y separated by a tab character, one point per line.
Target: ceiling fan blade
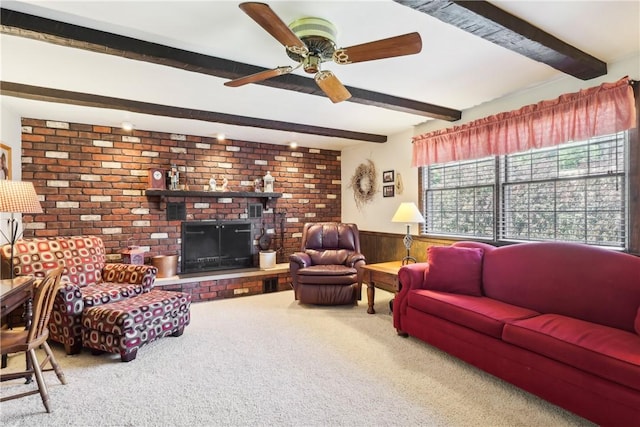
406	44
332	87
258	77
267	19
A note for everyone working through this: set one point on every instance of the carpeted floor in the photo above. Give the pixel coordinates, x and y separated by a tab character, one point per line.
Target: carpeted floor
266	360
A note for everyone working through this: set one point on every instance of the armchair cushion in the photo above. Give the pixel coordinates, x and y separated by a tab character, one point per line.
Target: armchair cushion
327	274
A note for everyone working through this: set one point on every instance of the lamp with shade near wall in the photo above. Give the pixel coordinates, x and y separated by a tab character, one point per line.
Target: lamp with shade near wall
17	197
408	213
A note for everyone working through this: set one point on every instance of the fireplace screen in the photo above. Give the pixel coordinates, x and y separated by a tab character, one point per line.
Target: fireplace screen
215	245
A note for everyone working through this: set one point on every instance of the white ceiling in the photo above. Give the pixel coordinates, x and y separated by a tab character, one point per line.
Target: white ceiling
455	69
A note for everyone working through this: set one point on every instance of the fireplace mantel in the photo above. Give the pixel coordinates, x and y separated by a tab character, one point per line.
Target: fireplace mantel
163	194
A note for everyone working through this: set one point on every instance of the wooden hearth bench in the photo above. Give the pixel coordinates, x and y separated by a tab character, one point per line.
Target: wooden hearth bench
124	326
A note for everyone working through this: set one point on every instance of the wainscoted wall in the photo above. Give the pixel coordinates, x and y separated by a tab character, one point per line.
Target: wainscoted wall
383	247
92	180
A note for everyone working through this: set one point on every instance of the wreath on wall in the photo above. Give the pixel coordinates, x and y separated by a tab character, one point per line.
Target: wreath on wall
364	183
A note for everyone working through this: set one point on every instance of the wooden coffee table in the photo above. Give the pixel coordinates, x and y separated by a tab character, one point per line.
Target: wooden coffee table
383	275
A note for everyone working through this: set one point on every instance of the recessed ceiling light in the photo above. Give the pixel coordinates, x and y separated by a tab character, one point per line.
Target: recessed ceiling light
128	126
293	144
220	136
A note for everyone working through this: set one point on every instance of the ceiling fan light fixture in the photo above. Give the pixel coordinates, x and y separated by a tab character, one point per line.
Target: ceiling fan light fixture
312	64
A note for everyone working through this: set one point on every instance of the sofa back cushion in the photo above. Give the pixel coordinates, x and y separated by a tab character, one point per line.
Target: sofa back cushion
455	269
82	256
576	280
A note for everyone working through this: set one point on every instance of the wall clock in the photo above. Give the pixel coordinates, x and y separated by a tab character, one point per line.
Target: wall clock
157	179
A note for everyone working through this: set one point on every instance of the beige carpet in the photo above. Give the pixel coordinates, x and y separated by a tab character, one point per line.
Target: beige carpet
266	360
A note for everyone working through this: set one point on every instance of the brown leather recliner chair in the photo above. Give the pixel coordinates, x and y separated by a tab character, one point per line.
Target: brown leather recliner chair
328	269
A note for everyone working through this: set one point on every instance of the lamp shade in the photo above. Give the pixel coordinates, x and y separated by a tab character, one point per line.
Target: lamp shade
18	197
408	213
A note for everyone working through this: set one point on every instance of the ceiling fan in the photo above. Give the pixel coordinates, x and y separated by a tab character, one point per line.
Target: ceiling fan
311	41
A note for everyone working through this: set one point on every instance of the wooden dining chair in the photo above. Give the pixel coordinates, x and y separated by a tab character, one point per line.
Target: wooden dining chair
28	340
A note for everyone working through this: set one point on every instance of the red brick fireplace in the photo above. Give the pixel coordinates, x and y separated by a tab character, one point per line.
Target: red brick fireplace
92	180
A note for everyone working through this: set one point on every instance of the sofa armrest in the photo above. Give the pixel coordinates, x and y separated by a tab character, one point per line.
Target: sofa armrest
410	276
69	300
144	275
413	276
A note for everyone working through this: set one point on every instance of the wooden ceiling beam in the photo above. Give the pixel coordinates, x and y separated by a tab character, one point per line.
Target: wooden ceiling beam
61	33
39	93
491	23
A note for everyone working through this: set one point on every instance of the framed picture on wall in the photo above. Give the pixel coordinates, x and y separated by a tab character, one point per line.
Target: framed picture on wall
5	161
387	176
388	191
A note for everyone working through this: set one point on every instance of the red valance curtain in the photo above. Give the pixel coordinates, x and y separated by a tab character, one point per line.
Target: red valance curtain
601	110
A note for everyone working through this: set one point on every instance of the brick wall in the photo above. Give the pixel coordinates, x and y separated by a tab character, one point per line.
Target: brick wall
92	180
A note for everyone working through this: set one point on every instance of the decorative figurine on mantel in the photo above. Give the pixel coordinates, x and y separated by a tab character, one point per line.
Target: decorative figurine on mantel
225	184
268	182
212	184
174	177
257	184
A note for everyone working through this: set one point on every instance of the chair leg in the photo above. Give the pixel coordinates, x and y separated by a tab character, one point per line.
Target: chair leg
42	386
54	363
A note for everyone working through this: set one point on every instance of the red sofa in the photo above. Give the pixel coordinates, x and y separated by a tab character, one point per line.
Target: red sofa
560	320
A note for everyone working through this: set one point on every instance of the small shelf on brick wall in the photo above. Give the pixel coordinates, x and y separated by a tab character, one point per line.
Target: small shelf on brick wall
163	194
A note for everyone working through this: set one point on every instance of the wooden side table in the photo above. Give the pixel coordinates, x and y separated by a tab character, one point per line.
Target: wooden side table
383	276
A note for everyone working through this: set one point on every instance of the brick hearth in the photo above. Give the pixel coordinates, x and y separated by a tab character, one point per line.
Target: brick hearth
226	284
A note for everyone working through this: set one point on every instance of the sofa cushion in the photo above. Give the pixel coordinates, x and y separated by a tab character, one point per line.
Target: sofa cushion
637	323
576	280
481	314
455	269
603	351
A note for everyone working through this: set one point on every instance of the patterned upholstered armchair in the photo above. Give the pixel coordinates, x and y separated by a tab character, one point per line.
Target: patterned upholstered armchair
87	279
328	268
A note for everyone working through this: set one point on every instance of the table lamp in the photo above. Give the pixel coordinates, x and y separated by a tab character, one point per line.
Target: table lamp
17	197
408	213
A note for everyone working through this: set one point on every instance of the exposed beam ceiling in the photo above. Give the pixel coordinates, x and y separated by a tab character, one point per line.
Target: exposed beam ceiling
90	100
485	20
25	25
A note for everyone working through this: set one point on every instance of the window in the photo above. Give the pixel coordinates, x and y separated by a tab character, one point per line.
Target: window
570	192
460	198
